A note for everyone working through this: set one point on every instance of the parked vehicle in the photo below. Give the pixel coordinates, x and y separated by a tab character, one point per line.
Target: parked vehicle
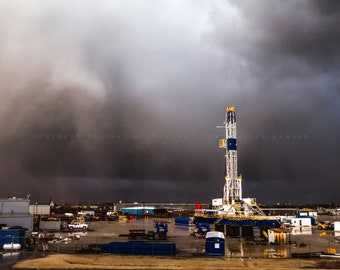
325	225
77	226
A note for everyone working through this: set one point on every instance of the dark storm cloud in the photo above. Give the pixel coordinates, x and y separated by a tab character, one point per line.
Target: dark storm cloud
119	100
289	58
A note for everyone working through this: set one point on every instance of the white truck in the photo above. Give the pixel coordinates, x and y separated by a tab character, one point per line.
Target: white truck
77	226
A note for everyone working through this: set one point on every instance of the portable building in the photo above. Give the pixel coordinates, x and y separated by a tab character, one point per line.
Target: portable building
336	226
215	244
301	222
50	225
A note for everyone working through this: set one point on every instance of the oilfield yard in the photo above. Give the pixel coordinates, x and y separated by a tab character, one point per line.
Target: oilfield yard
83	248
301	240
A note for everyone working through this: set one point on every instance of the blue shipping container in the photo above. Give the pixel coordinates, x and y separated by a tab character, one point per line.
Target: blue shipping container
184	221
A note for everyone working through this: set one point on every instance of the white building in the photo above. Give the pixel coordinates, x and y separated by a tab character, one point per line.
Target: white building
38	209
337	226
15	212
301	222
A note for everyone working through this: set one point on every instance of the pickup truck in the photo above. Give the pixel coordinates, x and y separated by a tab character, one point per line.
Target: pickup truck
77	226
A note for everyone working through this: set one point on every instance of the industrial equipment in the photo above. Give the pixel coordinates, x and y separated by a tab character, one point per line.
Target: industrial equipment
140	234
325	225
201	230
233	208
161	230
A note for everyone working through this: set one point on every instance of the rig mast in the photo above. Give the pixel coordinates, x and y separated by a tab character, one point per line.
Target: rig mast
232	202
232	191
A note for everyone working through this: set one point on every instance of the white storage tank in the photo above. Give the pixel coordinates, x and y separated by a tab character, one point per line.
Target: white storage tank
11	246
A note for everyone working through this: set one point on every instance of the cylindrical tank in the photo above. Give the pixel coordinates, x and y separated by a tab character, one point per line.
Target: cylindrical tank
11	246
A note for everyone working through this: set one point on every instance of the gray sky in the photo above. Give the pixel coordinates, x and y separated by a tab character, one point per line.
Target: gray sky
119	100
